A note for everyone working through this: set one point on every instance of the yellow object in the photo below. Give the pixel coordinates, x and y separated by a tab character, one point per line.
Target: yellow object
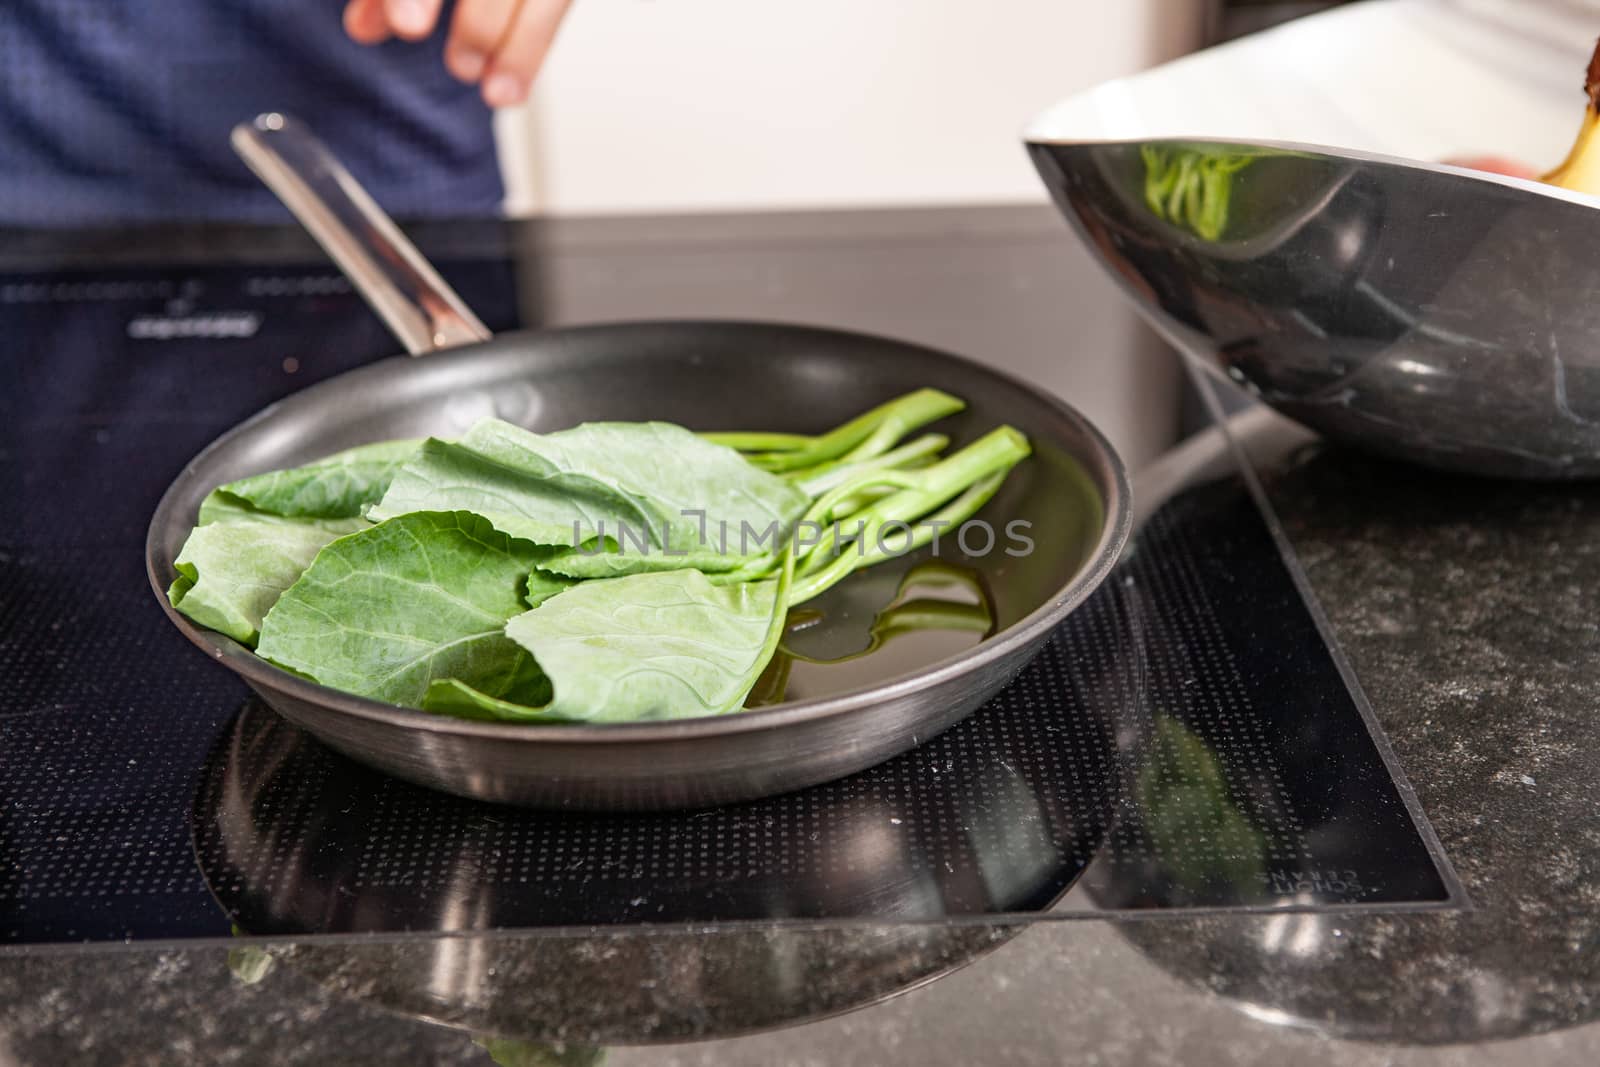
1581	170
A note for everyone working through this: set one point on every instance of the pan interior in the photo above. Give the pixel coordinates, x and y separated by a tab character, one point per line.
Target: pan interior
1045	522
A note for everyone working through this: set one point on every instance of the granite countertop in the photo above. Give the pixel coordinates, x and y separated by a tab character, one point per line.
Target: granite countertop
1461	607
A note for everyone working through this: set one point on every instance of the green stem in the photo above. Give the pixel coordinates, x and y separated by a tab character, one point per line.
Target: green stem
920	491
820	479
779	624
913	495
961	509
830	506
759	442
878	429
838	504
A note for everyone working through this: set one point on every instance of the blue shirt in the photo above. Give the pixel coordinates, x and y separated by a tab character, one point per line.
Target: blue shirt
119	110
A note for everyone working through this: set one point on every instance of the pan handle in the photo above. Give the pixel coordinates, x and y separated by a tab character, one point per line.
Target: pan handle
419	308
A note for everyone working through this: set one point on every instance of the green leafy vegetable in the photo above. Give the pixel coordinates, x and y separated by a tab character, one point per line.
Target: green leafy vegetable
668	645
233	569
614	561
613	572
384	612
339	486
654	483
219	506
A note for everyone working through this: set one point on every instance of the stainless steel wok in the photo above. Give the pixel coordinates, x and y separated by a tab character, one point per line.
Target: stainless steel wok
1420	310
705	375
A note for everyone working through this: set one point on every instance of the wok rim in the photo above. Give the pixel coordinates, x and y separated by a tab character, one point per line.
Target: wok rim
1031	630
1536	186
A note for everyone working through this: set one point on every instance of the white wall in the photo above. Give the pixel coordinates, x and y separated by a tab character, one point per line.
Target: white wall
671	105
705	105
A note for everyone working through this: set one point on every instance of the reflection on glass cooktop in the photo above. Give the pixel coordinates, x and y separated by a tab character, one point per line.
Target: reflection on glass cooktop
1179	761
1185	741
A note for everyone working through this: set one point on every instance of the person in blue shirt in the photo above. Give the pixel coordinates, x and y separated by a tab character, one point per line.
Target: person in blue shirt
116	111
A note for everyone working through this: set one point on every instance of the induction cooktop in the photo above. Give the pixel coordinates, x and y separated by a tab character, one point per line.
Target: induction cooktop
1186	741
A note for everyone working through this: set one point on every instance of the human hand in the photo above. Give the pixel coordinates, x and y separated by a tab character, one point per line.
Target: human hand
497	44
1497	165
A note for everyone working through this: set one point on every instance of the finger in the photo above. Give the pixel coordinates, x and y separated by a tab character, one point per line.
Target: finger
412	19
516	62
475	32
1496	165
365	21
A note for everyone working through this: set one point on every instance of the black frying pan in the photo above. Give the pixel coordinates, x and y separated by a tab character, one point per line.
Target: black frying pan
835	718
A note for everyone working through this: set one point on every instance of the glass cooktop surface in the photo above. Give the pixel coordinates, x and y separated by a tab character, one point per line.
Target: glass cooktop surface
1185	741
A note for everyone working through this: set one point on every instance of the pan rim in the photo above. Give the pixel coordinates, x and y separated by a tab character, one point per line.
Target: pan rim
258	673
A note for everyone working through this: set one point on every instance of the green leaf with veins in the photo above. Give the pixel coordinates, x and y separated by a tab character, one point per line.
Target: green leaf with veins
669	645
629	559
338	486
224	507
235	566
384	612
458	476
221	506
559	488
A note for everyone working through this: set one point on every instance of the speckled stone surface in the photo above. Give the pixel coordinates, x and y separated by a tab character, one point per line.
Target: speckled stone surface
1463	608
1467	609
